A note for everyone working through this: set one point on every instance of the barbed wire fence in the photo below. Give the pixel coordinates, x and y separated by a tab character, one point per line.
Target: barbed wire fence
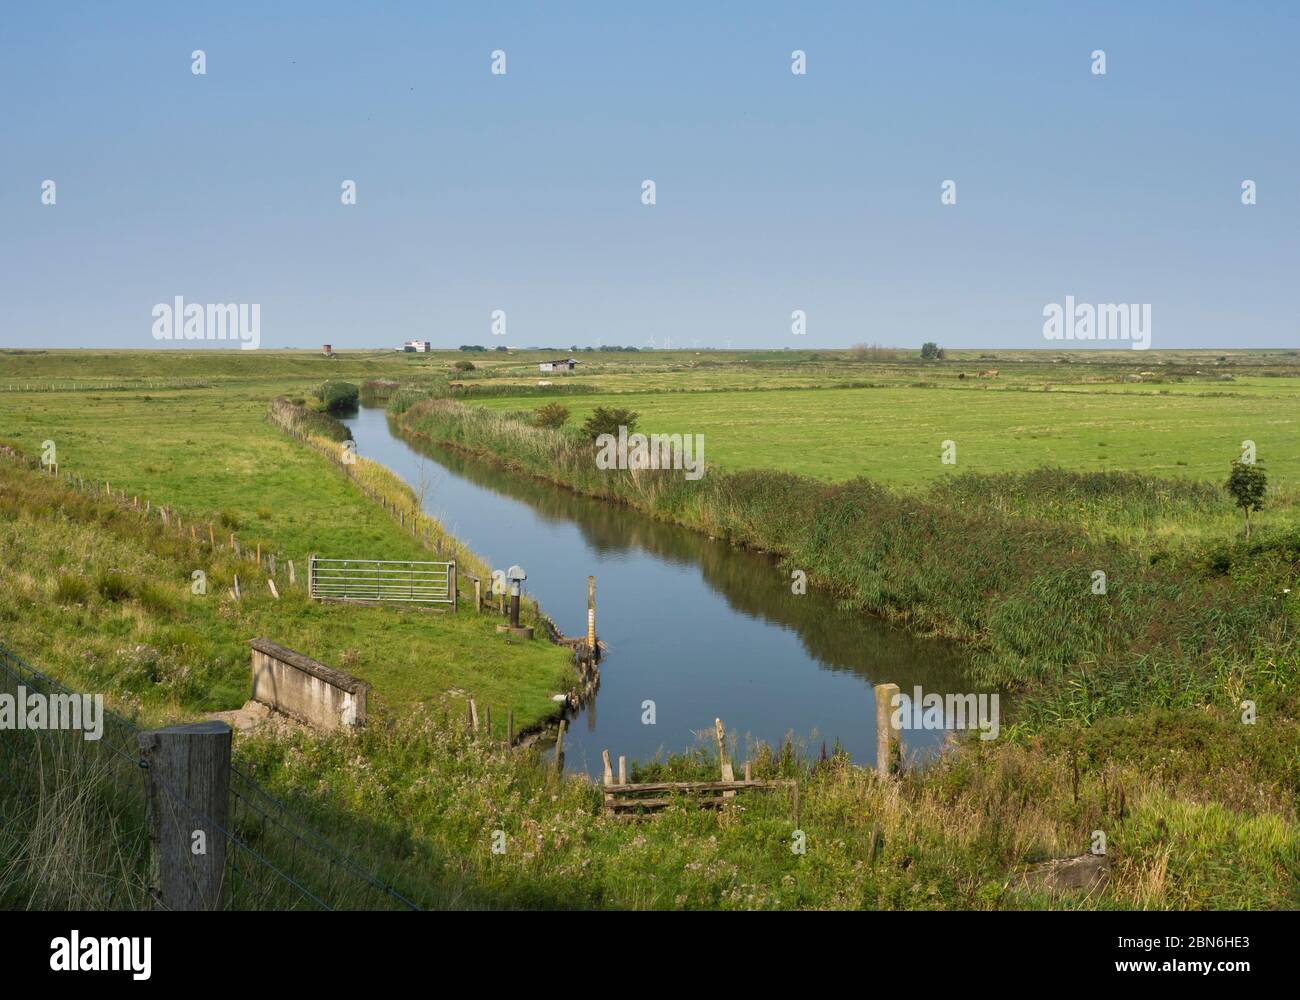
273	858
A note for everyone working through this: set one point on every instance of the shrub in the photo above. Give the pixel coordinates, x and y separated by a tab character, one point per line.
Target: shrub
337	396
229	520
551	415
607	420
464	366
1246	483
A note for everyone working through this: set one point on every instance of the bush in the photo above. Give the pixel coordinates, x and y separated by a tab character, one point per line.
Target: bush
464	366
607	420
930	351
229	519
337	396
551	415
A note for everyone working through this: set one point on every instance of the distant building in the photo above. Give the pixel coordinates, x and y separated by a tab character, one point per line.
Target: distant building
417	347
562	365
327	350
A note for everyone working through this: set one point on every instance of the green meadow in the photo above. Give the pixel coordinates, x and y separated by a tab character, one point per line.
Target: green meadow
833	458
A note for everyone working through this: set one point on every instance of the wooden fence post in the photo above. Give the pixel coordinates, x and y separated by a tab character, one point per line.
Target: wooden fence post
559	746
609	770
728	774
293	578
478	596
187	781
889	744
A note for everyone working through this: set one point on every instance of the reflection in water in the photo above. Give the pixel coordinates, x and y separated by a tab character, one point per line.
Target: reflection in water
696	626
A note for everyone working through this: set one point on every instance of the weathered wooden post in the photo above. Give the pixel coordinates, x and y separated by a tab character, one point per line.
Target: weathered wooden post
236	588
473	717
609	770
187	782
293	577
478	596
487	720
559	746
728	774
591	615
622	769
453	583
889	748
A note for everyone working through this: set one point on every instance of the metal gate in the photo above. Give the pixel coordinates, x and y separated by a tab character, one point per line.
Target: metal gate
402	580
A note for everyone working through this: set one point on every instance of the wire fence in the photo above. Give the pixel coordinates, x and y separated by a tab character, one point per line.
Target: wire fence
274	859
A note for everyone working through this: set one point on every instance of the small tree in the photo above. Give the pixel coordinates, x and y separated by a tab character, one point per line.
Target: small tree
607	420
551	415
1246	483
930	351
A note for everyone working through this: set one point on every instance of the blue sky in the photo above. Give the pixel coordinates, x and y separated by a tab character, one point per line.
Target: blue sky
775	192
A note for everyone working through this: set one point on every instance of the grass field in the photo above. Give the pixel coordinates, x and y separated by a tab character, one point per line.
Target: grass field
1137	728
894	435
211	455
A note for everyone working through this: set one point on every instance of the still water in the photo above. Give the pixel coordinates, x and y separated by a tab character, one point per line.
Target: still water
701	628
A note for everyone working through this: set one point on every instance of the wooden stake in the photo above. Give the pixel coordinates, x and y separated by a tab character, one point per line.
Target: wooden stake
727	773
889	745
609	771
473	716
236	586
271	583
622	769
559	746
293	577
487	720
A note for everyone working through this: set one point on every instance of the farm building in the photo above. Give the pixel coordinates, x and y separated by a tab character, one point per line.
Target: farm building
562	365
416	346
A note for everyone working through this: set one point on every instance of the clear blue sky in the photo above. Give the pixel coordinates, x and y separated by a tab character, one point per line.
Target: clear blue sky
775	192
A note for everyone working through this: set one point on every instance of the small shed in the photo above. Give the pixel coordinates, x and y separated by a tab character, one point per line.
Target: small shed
560	365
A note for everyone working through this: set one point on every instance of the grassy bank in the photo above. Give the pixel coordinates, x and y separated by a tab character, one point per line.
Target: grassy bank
103	596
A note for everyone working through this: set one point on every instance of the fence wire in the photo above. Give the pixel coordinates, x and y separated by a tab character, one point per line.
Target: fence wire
274	859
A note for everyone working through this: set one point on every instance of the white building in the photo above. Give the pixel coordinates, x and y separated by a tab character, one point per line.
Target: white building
417	346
